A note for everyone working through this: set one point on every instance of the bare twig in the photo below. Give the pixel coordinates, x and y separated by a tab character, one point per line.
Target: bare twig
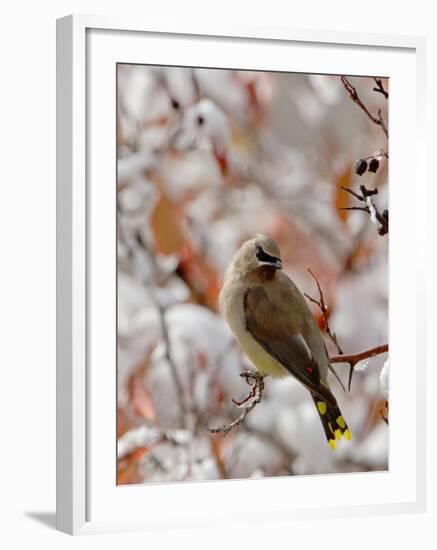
324	309
370	207
256	381
378	119
362	208
354	358
380	87
351	359
381	122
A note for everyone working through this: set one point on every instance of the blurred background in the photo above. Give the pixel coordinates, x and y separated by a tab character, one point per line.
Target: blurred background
206	159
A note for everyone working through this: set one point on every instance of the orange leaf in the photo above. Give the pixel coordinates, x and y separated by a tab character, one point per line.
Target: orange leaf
202	280
216	447
140	398
359	256
127	469
123	422
166	227
342	196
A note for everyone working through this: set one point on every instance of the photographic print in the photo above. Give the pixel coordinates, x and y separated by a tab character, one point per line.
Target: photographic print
252	274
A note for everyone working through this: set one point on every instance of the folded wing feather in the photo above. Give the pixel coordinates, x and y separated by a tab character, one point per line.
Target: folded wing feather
276	329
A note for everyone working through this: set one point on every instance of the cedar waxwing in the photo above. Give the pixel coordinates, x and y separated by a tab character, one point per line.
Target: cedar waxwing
275	328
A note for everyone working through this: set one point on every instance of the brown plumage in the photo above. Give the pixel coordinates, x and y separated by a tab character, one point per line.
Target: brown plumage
284	337
275	328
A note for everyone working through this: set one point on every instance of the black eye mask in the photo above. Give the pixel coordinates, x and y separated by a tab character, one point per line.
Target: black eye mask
264	257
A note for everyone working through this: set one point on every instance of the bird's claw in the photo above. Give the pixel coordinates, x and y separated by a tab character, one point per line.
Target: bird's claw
254	379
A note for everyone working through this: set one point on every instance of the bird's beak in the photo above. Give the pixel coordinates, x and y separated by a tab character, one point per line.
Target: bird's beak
277	264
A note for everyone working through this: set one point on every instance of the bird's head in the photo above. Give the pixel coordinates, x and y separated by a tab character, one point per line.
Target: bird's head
258	257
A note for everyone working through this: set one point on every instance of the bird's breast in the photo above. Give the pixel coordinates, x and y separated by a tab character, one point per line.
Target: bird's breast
232	308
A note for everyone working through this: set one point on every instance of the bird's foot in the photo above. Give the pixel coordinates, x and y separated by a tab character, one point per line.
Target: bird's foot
252	376
256	381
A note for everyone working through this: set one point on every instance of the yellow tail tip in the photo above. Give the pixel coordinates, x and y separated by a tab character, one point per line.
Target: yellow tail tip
321	407
340	421
347	434
332	444
337	434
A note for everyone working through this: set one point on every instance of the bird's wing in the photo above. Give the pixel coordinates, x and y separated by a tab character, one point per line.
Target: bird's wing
272	325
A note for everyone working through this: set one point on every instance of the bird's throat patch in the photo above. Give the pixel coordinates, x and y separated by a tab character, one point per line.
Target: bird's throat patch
266	272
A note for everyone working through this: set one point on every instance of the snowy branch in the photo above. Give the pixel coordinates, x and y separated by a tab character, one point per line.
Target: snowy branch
169	357
200	151
375	215
133	245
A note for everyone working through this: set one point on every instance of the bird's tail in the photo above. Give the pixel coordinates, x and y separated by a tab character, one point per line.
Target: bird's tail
332	421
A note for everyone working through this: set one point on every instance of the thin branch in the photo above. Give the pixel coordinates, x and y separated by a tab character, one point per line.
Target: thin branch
354	358
375	215
378	119
380	87
256	381
362	208
324	309
381	122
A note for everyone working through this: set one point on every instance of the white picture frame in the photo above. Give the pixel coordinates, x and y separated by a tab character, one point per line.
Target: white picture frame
81	487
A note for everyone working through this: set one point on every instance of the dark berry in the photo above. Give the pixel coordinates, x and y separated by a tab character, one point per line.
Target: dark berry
200	120
360	167
175	104
373	165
